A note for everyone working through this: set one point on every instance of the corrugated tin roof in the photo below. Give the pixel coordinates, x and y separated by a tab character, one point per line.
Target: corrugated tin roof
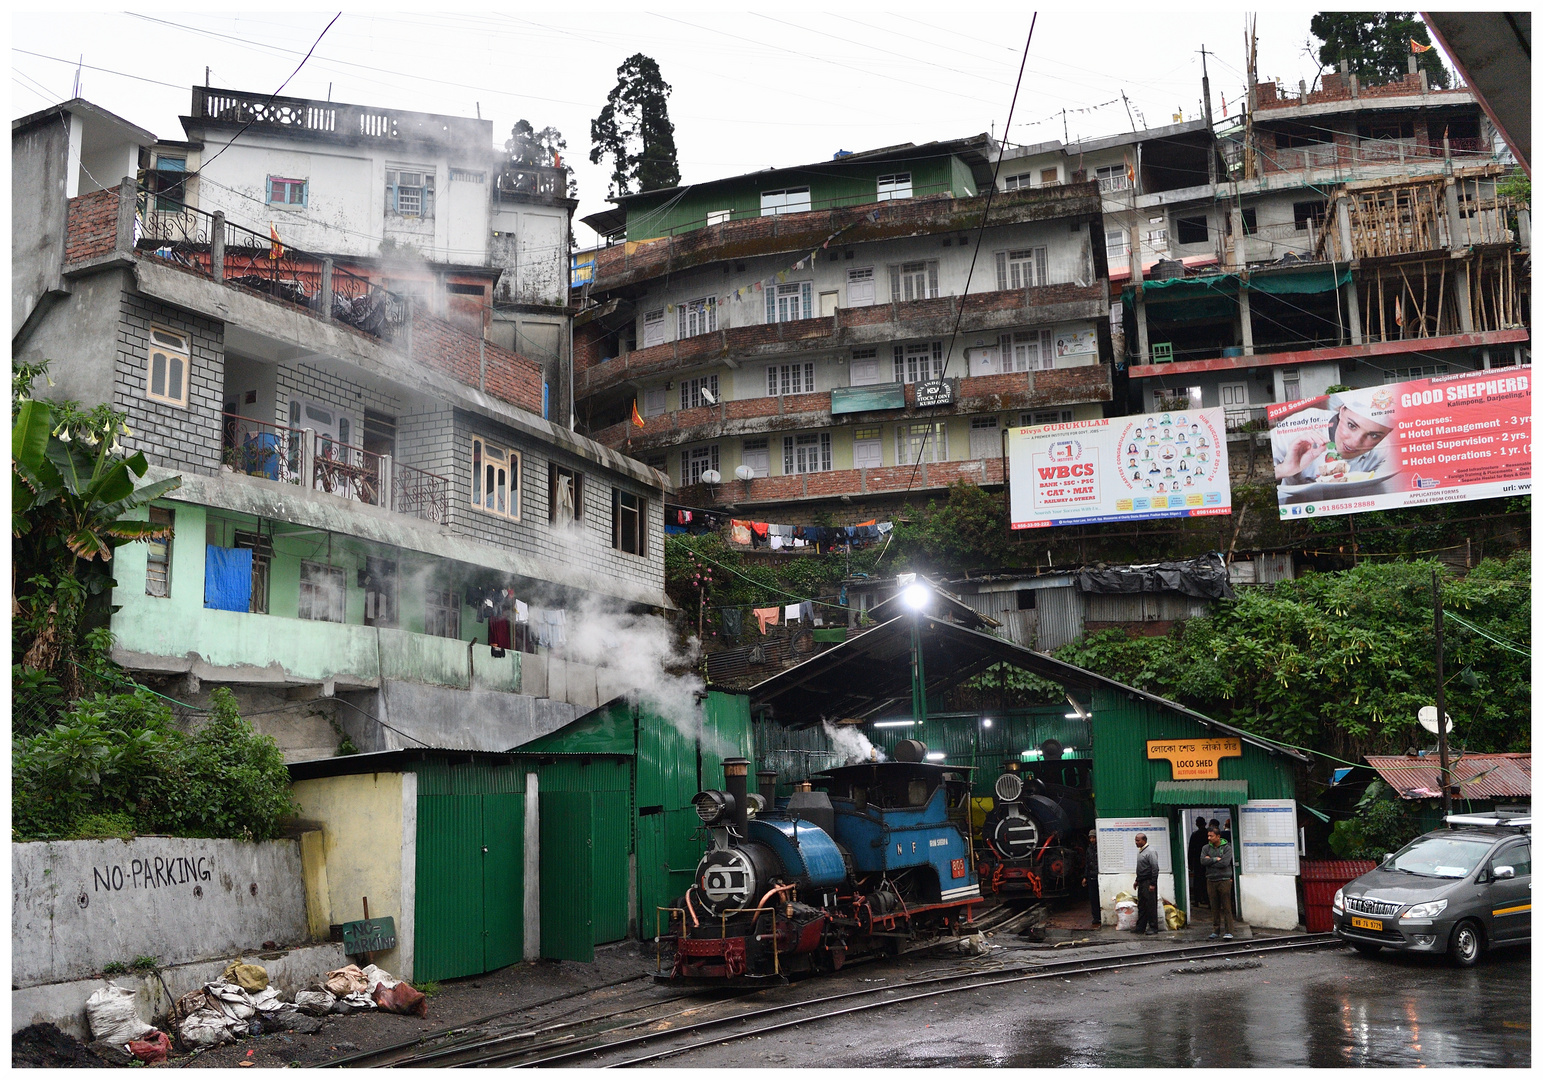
1200	793
1478	776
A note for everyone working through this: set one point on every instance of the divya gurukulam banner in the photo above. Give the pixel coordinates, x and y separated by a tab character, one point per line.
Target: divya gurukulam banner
1450	438
1124	468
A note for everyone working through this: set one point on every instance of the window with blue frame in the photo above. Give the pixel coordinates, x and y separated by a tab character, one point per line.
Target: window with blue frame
283	191
410	192
167	180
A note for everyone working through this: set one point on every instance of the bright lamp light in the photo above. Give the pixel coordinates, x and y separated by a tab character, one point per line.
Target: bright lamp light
916	596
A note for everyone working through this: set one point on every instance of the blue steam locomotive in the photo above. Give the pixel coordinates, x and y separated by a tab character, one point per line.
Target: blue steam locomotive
870	862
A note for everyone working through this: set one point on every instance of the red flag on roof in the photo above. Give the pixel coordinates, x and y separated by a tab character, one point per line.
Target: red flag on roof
276	250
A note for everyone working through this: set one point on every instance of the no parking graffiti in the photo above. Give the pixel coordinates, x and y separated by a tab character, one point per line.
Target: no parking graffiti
1194	759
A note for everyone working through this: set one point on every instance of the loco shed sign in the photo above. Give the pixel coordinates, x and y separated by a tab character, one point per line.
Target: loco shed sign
1194	759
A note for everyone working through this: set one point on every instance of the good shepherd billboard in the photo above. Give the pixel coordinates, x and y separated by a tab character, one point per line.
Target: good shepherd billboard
1445	439
1127	468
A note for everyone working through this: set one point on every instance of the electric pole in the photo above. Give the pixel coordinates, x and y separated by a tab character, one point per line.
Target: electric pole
1441	699
1210	131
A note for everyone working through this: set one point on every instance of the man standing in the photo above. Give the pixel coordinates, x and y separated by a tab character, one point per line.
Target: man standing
1146	887
1196	871
1090	870
1216	857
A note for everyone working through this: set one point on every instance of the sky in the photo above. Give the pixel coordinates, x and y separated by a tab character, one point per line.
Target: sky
749	91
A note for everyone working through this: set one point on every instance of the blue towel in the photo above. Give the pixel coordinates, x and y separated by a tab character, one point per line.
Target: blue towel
228	578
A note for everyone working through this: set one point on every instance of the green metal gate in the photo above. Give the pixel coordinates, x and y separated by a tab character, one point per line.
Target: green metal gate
567	876
469	914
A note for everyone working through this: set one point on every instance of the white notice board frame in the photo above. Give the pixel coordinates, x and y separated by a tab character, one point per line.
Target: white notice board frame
1117	844
1267	837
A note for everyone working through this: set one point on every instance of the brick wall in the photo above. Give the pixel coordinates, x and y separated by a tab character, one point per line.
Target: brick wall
588	346
91	226
587	543
445	347
1336	87
348	398
189	439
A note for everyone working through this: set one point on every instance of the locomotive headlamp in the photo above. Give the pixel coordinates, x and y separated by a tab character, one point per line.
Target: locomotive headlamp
714	807
1008	787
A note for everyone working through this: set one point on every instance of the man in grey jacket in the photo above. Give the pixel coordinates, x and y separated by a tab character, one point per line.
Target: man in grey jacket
1216	857
1146	887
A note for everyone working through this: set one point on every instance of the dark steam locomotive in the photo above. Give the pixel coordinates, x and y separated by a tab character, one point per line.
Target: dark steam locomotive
870	862
1033	838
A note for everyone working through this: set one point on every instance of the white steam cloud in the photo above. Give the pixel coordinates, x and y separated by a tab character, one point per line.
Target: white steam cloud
854	747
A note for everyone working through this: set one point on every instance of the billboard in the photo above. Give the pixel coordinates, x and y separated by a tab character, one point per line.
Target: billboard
1444	439
1125	468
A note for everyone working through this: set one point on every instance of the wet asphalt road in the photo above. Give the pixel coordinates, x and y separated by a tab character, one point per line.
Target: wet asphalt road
1324	1008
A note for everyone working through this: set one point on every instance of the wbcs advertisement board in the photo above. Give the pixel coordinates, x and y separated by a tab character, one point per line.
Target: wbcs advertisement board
1125	468
1444	439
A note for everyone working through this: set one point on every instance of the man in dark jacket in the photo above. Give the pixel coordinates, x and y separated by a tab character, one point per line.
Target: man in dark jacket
1090	878
1196	871
1146	887
1216	857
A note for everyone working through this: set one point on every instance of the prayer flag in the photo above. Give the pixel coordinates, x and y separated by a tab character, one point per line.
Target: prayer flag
637	419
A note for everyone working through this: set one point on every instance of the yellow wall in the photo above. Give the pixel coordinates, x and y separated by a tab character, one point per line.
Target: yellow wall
361	853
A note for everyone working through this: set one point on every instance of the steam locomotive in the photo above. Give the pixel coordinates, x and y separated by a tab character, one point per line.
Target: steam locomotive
1032	838
867	864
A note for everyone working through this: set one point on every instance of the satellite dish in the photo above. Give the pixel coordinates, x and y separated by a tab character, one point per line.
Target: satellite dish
745	472
711	476
1428	719
707	396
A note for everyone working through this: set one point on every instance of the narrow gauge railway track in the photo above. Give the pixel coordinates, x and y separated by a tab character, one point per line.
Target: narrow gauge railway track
434	1047
575	1043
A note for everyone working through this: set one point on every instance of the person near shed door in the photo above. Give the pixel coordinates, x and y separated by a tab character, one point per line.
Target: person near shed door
1196	871
1216	857
1146	886
1090	878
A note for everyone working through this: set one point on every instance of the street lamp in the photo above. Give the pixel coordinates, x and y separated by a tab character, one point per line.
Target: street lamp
916	596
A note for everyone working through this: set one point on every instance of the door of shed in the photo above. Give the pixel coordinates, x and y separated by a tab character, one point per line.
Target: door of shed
567	876
470	884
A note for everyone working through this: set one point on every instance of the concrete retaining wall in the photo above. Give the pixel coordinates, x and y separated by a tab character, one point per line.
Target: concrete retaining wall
77	905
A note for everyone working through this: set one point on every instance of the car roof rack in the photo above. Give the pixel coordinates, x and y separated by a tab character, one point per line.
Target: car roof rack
1491	821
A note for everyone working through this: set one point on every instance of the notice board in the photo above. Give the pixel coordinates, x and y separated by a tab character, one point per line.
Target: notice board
1267	836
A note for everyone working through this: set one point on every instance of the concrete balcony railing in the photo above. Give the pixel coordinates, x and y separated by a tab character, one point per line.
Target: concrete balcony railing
880	324
753	416
636	261
809	487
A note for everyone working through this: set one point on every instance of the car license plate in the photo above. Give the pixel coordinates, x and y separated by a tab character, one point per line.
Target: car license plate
1365	924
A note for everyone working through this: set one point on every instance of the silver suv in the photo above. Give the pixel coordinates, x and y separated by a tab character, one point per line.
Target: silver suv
1460	891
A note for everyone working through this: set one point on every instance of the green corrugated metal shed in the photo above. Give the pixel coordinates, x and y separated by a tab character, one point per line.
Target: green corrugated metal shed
1200	793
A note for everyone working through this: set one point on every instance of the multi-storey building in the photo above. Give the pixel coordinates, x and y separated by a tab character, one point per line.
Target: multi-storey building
362	481
1347	235
842	332
420	204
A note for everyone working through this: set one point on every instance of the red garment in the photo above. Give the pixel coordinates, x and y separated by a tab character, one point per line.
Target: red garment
498	632
759	528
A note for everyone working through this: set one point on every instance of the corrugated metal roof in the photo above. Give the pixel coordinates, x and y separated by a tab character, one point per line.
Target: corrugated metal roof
1200	793
1478	776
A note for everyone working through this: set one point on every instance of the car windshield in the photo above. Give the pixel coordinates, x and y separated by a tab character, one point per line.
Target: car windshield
1441	856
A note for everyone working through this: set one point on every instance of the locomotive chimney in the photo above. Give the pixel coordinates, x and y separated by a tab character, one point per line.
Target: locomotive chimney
736	772
766	784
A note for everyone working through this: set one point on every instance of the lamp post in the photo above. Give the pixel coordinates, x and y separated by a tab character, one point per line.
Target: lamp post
916	597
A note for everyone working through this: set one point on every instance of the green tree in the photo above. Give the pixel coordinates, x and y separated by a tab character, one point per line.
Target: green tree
1341	663
73	495
1375	45
635	131
527	146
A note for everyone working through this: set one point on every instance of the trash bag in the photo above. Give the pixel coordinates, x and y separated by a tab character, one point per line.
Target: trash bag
250	977
374	976
152	1050
347	980
205	1027
400	997
1125	915
315	1001
1122	895
230	1001
112	1016
188	1004
1173	916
